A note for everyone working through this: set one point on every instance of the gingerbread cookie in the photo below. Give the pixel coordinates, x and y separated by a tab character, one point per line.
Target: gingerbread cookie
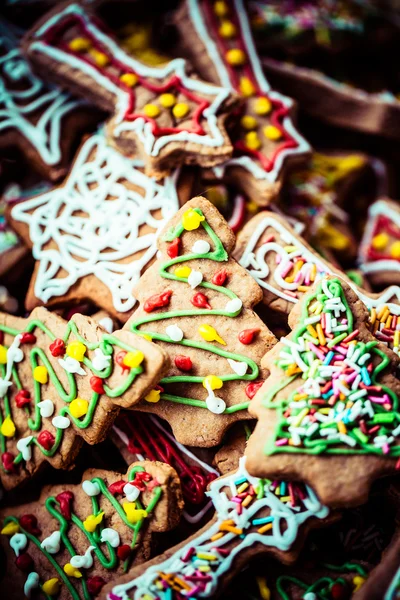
271	519
76	538
100	229
217	37
195	301
329	411
227	458
61	383
161	114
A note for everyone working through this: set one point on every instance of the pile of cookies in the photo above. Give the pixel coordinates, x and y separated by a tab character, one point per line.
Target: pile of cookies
200	296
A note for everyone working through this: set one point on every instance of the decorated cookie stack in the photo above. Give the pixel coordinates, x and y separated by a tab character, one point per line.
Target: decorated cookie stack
199	302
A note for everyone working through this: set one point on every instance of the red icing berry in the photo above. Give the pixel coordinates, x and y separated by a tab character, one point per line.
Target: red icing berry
96	383
200	300
173	248
220	277
65	500
140	478
123	551
117	487
24	562
30	524
57	348
247	336
339	591
252	389
27	338
94	585
46	439
8	461
157	301
22	398
184	363
119	359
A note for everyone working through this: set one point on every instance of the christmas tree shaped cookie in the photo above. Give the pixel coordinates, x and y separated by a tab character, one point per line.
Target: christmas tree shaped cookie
76	538
329	413
195	302
61	383
161	114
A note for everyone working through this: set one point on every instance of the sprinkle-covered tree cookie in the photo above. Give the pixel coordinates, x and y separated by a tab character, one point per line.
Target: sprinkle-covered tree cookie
76	538
161	114
253	517
195	301
329	412
61	383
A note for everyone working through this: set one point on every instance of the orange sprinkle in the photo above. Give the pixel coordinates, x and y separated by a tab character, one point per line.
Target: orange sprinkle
247	500
264	528
321	336
217	536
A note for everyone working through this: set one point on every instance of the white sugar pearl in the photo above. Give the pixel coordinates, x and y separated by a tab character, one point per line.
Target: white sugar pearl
61	422
201	247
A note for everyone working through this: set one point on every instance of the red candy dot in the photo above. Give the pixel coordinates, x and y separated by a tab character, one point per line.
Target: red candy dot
57	348
46	439
8	461
117	487
220	277
22	398
183	363
30	524
65	500
157	301
94	584
123	552
27	338
173	248
252	389
247	336
96	383
24	562
200	300
339	592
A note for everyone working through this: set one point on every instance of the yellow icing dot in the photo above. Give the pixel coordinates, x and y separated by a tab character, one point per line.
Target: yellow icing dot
133	359
7	427
272	133
236	57
153	396
252	140
191	219
252	206
72	571
380	241
76	350
92	521
221	8
99	58
358	581
132	513
246	87
262	106
182	271
51	587
146	336
209	334
395	250
212	381
248	122
80	44
10	528
151	110
129	79
138	39
3	355
180	110
78	407
227	30
40	374
167	100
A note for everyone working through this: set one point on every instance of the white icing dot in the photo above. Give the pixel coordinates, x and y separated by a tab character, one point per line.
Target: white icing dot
71	365
107	324
234	305
174	332
46	408
100	360
131	492
23	446
83	562
195	278
310	596
61	422
90	488
32	582
239	367
201	247
111	536
52	543
18	542
215	405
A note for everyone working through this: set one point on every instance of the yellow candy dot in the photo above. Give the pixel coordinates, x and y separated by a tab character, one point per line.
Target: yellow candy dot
80	44
272	133
180	110
395	250
252	140
221	8
78	407
72	571
191	219
227	30
7	427
248	122
212	381
133	359
92	521
10	528
76	350
153	396
99	58
132	513
209	334
40	374
151	110
129	79
236	57
3	355
246	87
51	587
262	106
167	100
358	581
380	241
182	271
